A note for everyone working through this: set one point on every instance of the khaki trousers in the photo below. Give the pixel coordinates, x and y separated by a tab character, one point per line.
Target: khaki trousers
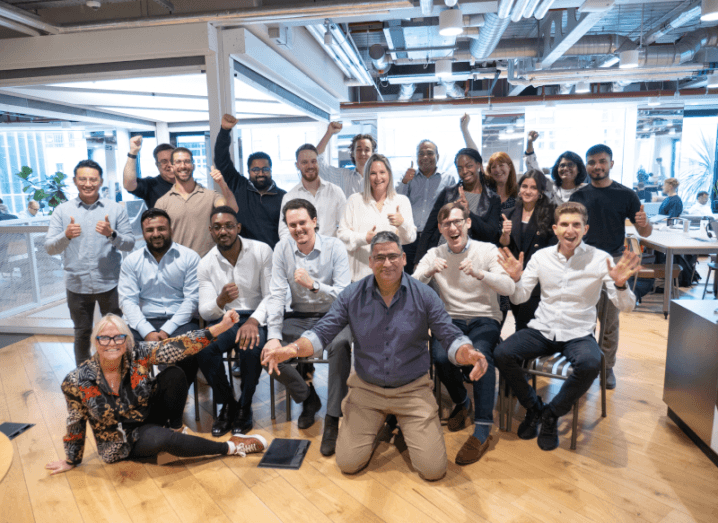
365	408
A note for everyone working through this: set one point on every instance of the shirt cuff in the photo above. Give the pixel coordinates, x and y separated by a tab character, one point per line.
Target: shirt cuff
315	341
274	333
454	348
144	329
169	327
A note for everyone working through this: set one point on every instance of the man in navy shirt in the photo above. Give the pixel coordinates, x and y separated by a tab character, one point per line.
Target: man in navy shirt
152	188
609	204
259	199
390	314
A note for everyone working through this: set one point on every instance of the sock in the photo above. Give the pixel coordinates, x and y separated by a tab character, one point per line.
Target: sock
467	403
481	432
230	448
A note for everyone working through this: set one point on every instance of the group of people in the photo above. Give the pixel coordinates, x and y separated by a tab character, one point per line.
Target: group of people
348	261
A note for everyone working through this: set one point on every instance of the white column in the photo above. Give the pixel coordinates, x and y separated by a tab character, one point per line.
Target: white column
162	133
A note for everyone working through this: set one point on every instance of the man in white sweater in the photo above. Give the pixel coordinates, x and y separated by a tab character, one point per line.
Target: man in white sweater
469	280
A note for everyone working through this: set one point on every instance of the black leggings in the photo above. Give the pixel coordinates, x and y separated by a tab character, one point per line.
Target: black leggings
168	404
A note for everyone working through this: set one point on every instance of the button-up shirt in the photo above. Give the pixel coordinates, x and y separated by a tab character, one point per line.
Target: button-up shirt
570	290
168	289
390	343
327	264
329	202
348	180
92	260
251	274
423	192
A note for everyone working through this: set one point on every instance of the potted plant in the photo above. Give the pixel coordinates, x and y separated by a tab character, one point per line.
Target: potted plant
48	192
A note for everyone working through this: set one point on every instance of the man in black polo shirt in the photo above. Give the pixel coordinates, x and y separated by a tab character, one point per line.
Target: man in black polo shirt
152	188
609	204
259	199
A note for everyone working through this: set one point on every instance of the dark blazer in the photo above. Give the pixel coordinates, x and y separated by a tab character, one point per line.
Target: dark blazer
485	225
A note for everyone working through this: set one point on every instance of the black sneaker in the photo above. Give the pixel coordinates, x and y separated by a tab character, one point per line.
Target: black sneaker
223	421
329	438
310	407
243	422
548	438
529	426
236	370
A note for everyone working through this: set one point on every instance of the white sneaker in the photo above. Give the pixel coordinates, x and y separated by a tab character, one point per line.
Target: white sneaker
243	444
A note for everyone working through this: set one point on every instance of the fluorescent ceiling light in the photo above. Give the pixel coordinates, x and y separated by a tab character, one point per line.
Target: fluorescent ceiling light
713	80
709	10
583	87
439	92
442	68
451	22
629	59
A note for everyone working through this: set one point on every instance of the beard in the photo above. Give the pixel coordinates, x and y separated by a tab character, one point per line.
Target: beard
164	247
261	183
227	247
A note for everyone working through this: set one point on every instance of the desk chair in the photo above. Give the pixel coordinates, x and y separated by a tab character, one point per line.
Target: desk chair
652	270
558	367
712	266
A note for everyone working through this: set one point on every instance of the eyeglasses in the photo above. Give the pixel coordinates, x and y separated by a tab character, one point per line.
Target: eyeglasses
164	162
89	181
257	170
381	258
229	227
426	153
117	339
456	223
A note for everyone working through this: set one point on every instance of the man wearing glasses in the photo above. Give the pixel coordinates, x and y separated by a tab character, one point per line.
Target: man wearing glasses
89	232
390	314
259	198
422	187
469	279
152	188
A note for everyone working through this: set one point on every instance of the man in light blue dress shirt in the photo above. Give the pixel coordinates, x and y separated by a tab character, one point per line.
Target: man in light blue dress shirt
315	268
158	287
422	187
89	232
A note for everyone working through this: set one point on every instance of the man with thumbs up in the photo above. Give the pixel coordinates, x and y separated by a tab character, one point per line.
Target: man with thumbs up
609	204
89	232
422	187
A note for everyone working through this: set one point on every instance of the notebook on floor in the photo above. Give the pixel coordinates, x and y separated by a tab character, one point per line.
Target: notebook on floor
285	454
14	429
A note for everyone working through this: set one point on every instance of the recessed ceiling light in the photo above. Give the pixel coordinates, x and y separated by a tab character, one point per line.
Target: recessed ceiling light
451	22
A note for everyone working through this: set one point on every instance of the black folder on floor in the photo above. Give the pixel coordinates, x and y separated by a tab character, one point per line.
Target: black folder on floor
14	429
285	454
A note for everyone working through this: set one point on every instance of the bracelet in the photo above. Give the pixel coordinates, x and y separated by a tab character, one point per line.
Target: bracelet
133	156
297	349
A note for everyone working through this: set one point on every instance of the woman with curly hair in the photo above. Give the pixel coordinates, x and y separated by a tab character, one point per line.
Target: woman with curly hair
133	415
527	228
569	175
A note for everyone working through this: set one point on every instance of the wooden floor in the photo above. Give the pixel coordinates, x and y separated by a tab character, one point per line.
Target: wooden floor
634	465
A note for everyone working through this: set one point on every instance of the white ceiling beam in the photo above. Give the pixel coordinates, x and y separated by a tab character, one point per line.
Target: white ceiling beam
16	14
18	27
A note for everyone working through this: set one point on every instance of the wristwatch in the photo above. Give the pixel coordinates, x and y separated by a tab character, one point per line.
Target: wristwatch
113	235
315	287
133	156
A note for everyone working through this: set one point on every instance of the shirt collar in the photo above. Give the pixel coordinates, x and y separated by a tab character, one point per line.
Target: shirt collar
80	203
197	188
374	288
172	248
582	247
317	246
466	248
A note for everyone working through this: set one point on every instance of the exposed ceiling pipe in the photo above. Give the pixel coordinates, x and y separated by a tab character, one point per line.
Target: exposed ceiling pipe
407	91
531	8
682	15
539	78
378	56
542	9
504	8
491	33
682	51
620	85
16	14
19	27
453	90
318	35
167	5
518	11
346	44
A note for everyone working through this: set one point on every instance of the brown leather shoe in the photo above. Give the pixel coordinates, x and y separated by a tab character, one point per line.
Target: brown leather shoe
472	450
458	417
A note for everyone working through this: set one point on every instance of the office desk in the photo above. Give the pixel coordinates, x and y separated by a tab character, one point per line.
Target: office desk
675	241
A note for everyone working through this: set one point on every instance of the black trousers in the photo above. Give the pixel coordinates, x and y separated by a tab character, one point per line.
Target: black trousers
82	311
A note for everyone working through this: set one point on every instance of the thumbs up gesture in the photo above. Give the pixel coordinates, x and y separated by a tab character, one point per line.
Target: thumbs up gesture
370	235
217	176
641	219
104	227
396	219
73	229
506	227
409	175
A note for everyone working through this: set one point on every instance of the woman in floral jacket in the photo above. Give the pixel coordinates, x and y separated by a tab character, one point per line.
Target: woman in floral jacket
133	415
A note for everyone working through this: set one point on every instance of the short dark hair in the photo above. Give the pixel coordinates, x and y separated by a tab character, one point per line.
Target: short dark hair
471	153
358	137
258	156
299	203
223	209
571	156
598	149
571	208
701	193
445	211
181	150
154	212
426	140
162	147
385	237
306	147
90	164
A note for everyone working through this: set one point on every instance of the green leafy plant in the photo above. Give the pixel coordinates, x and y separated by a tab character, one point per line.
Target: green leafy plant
48	192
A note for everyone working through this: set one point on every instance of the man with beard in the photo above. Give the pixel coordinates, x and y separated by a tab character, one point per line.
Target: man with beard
152	188
259	198
360	150
158	286
190	205
235	274
609	204
327	198
422	187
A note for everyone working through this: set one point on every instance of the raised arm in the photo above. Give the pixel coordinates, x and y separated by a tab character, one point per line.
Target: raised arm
332	129
227	194
74	440
129	174
222	158
470	143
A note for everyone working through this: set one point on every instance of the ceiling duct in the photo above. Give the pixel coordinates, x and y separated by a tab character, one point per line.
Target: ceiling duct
406	92
505	8
682	51
453	90
491	33
377	53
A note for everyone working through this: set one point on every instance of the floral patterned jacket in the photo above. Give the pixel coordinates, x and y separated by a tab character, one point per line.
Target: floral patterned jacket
115	418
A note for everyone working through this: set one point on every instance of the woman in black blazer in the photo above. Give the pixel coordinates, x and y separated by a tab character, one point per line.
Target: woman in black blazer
527	228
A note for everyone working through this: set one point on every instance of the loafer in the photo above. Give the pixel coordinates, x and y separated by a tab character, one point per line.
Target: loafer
610	379
472	450
243	422
223	421
329	438
457	419
529	427
310	407
548	437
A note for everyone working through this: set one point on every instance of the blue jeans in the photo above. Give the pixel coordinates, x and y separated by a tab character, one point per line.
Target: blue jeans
583	353
210	361
484	334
